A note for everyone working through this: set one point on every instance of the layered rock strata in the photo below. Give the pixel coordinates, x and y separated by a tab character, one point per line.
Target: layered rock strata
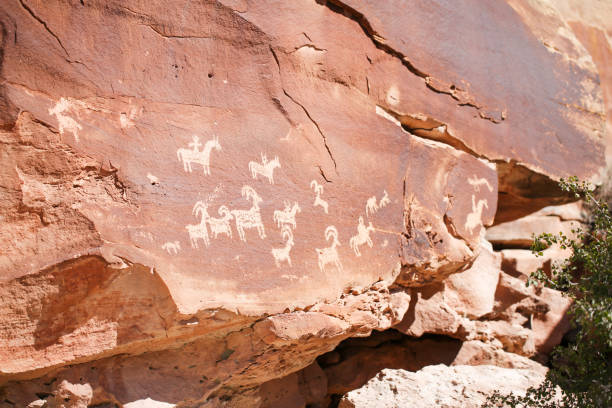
198	199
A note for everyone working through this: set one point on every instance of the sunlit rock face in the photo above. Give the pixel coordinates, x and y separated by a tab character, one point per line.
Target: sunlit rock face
201	198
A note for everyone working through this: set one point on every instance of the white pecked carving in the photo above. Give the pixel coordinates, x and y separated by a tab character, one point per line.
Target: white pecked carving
195	155
372	206
477	182
287	216
318	189
362	237
251	218
266	168
474	218
172	247
384	200
329	255
198	231
66	123
283	254
217	225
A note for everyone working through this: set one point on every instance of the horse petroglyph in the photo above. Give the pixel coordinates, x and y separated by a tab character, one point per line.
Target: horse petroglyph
251	218
266	168
318	189
172	247
66	123
195	155
282	254
362	237
372	206
287	216
477	182
473	218
329	255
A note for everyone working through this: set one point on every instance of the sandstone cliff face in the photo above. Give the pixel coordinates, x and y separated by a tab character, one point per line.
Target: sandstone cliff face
200	199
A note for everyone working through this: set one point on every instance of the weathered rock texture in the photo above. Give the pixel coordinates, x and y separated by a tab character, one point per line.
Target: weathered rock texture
440	386
200	198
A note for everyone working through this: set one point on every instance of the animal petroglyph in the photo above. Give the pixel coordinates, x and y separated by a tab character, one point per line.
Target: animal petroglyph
362	237
198	231
329	255
318	189
477	182
283	254
251	218
372	206
266	168
195	155
217	225
384	201
66	123
172	247
287	216
473	218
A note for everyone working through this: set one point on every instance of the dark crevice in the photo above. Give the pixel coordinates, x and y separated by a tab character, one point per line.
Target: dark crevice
43	23
317	126
431	83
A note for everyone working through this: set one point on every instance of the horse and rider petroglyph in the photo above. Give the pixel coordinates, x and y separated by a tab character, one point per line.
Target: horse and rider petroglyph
329	255
195	155
362	237
265	169
287	216
318	189
251	218
283	254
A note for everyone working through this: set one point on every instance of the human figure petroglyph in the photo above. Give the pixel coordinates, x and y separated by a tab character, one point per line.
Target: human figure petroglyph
283	254
362	237
195	155
251	218
329	255
217	225
477	182
287	216
266	168
318	189
473	218
172	247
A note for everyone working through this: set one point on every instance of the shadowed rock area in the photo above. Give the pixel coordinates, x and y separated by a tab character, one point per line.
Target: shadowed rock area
243	203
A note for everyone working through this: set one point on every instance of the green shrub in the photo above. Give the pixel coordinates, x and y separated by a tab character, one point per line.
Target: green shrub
582	368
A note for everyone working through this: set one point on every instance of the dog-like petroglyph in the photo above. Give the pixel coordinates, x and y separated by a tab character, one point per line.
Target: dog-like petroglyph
477	182
329	255
195	155
217	225
251	218
265	169
287	216
283	254
318	189
362	237
172	247
473	219
372	206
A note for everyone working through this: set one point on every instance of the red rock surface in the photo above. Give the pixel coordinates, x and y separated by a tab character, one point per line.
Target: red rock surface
200	198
